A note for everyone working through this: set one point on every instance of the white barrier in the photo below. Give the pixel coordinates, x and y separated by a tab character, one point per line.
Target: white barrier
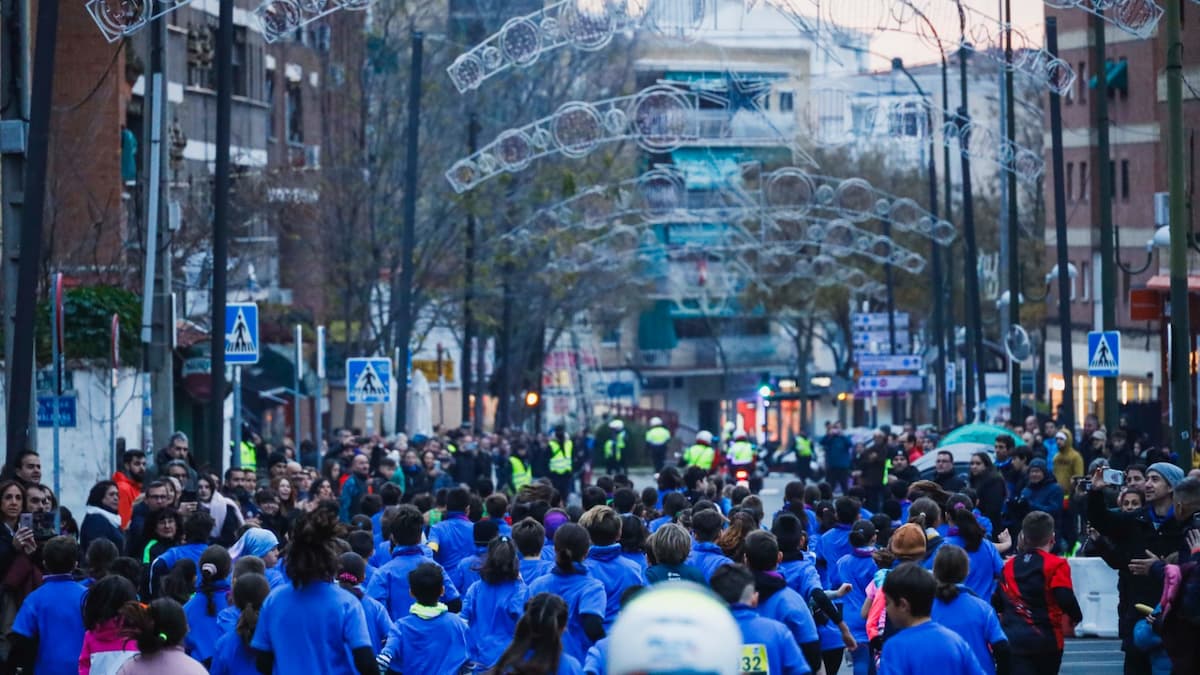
1096	591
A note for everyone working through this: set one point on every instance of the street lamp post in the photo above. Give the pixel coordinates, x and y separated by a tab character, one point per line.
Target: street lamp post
1014	288
1181	334
935	248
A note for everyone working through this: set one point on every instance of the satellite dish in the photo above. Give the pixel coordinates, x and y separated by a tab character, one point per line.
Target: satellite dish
1017	344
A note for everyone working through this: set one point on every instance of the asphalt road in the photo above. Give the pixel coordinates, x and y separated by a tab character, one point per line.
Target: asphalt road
1090	656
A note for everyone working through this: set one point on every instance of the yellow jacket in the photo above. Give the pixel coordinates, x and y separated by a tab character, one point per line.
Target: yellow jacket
1068	463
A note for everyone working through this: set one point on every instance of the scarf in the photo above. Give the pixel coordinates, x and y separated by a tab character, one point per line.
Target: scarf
426	612
112	518
256	542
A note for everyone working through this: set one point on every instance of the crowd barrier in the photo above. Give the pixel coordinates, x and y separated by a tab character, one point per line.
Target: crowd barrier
1096	590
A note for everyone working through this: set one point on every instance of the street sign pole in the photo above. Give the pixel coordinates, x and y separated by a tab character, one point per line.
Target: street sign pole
56	328
115	363
296	385
236	430
320	422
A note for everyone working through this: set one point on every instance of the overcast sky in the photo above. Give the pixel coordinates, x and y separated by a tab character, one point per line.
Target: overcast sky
1028	16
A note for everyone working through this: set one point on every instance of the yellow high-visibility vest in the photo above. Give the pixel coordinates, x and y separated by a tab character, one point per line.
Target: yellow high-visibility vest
249	457
742	452
658	436
615	447
803	447
561	455
700	455
521	475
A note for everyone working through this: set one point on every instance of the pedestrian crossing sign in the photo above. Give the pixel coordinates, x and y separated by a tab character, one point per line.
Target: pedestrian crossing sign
368	381
1104	353
241	333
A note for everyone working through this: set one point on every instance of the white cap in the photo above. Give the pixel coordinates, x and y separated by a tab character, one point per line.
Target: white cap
616	424
739	435
656	421
675	627
704	437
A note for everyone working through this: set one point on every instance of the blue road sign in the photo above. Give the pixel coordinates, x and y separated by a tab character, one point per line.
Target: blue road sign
67	416
1104	353
241	333
368	381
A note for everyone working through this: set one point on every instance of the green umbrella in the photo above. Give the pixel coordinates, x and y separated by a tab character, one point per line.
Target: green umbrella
978	433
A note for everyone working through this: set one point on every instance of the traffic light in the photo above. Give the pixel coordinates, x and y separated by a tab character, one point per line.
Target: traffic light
765	390
532	399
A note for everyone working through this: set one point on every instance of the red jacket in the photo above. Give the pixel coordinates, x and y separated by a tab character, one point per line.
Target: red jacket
129	490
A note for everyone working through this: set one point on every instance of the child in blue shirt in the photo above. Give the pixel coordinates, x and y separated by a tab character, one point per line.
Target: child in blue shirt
390	584
921	646
196	530
966	615
835	542
858	568
605	561
453	538
706	555
767	645
351	570
202	609
467	571
986	565
530	537
583	593
494	604
311	625
776	600
47	634
232	655
430	639
227	618
537	642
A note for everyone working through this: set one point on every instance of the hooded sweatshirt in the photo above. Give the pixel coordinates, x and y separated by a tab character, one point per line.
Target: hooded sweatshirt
408	645
777	601
105	649
1068	463
617	573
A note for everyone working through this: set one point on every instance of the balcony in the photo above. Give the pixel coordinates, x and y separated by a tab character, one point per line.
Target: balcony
745	127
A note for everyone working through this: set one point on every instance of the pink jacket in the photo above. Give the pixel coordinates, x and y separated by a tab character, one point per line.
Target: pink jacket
104	649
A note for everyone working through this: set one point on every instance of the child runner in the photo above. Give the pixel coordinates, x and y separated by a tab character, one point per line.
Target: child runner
633	539
351	571
967	615
670	547
776	600
104	647
261	543
537	643
835	542
493	605
986	565
530	537
583	593
390	584
211	598
604	560
1036	592
706	555
311	625
158	629
920	646
767	646
233	654
411	644
227	618
467	571
47	634
453	538
858	568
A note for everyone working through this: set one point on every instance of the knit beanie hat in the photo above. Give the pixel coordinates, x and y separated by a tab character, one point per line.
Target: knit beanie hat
908	540
1170	473
1038	463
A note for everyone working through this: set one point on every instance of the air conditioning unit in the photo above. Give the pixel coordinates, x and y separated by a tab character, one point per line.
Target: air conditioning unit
1162	209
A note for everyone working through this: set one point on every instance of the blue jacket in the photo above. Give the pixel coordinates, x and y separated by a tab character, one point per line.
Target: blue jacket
467	571
584	594
767	646
164	563
204	630
830	548
379	624
857	569
1045	496
492	610
617	573
597	659
837	451
351	499
51	615
532	568
777	601
409	644
390	584
232	657
802	576
452	539
708	557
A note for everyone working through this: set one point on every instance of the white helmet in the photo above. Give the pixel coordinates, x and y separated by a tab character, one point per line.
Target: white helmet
616	425
656	421
739	435
704	437
730	426
675	627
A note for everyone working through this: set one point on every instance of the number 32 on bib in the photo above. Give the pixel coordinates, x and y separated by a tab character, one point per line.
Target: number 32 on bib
754	659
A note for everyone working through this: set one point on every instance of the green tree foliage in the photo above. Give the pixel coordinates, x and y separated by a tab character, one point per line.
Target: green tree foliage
87	319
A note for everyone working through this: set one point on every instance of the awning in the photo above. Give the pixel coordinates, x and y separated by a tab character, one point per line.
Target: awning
1117	75
706	81
1162	282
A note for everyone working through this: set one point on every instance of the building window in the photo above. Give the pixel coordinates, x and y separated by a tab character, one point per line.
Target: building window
787	101
269	85
1070	181
905	120
1087	282
1125	180
241	52
295	113
1083	181
200	42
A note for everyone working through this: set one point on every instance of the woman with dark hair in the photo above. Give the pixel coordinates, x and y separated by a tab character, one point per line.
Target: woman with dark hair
159	630
584	594
163	531
966	532
233	654
321	490
312	626
211	597
286	492
988	484
537	644
226	515
493	605
16	545
331	470
352	569
971	617
104	647
101	520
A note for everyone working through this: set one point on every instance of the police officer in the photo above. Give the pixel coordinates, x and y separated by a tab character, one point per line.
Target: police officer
657	437
520	468
701	453
614	448
804	456
562	456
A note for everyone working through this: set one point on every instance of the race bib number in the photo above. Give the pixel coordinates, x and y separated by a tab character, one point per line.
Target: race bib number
754	659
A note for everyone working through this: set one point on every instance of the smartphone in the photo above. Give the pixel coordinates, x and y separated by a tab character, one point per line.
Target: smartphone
188	496
26	521
43	526
1114	477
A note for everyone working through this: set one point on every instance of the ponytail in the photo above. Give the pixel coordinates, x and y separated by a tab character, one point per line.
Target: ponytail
969	529
154	627
539	631
215	564
571	544
249	593
950	567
